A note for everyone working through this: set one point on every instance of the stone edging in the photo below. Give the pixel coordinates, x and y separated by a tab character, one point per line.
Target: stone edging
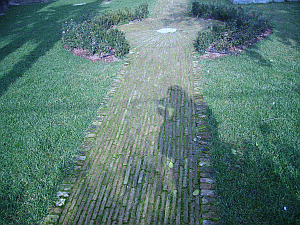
209	208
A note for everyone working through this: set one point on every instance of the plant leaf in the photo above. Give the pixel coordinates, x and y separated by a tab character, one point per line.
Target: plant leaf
196	192
171	165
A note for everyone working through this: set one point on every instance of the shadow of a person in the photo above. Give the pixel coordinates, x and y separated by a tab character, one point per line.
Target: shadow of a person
177	147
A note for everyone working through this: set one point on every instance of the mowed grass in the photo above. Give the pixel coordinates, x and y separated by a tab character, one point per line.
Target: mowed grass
48	98
254	114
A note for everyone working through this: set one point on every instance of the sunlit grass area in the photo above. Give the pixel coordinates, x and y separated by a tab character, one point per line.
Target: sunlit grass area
48	98
254	114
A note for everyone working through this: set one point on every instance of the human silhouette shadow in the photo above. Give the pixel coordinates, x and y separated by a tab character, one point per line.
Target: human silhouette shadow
178	147
177	129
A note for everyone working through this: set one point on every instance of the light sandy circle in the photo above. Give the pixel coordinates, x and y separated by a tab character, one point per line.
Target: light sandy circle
167	30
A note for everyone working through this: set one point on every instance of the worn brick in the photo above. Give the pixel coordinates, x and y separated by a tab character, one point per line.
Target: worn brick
207	180
197	209
180	181
138	213
89	213
206	186
210	215
207	208
111	197
99	185
127	174
155	214
120	182
105	216
162	208
141	177
98	203
207	200
210	193
84	211
178	213
111	212
167	208
144	189
55	210
107	192
146	201
78	212
206	169
186	207
121	215
172	216
160	178
129	204
116	212
206	175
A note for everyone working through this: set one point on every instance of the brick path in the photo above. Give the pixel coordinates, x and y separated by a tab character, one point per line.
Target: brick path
144	159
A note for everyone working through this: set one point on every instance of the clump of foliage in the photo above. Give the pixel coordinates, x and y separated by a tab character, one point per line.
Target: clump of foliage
98	35
235	27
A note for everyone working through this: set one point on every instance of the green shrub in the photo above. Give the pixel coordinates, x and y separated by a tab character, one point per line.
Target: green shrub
97	34
200	10
141	11
238	28
220	12
204	39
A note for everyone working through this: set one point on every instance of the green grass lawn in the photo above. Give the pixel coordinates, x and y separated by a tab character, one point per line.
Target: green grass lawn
254	113
48	98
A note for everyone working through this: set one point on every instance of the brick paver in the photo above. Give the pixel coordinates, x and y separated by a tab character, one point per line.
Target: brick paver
144	156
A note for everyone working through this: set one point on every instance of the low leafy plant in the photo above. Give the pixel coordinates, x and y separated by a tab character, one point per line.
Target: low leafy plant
237	28
98	35
204	39
141	11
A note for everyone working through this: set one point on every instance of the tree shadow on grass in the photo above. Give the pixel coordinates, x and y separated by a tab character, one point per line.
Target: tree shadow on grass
256	185
253	53
36	24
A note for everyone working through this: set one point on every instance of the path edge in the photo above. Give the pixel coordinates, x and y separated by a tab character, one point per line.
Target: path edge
210	212
58	210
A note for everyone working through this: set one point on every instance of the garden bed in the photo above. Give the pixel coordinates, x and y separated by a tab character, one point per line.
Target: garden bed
211	54
233	31
97	38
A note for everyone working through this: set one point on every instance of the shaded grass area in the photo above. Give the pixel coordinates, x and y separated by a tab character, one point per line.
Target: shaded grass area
254	115
48	98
